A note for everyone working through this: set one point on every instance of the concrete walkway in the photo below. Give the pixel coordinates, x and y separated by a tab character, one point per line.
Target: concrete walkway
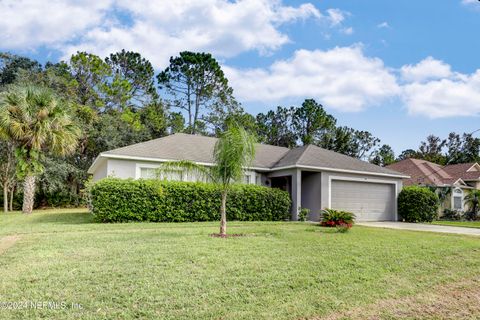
421	227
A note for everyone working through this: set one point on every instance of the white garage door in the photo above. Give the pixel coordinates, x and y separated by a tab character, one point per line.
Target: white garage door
368	201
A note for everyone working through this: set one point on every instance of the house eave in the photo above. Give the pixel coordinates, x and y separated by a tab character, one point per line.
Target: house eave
263	169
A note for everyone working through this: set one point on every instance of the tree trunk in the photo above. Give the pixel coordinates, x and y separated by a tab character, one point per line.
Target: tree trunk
223	214
11	198
5	198
28	194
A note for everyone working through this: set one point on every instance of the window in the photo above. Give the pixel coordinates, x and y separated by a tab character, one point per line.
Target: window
457	203
258	179
246	179
151	173
148	173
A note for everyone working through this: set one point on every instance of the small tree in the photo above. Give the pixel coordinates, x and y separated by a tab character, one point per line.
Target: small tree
36	121
471	200
233	152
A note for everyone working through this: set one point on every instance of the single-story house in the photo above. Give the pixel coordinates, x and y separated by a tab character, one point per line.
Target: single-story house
456	179
315	178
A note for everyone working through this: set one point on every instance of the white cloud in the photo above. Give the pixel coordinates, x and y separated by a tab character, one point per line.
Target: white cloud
157	29
427	69
457	95
341	78
383	25
336	16
27	24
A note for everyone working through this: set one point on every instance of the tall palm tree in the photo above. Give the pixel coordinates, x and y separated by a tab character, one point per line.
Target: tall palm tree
233	152
37	122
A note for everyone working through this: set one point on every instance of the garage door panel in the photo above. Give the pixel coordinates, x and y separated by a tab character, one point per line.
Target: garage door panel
368	201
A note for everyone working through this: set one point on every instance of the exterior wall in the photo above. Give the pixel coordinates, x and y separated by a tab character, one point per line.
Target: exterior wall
121	168
296	193
327	176
101	171
311	193
131	169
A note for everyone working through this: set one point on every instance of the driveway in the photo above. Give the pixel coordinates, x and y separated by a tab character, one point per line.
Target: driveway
421	227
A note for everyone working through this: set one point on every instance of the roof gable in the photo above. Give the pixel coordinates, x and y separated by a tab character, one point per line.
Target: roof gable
465	171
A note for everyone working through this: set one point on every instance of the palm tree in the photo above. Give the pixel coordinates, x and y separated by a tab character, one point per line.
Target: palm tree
37	122
471	200
233	152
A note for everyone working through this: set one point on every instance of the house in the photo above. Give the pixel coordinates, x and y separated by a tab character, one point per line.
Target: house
452	181
315	178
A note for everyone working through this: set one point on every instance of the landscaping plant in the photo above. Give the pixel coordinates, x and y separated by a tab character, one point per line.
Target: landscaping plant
123	200
342	220
303	214
233	152
418	204
471	200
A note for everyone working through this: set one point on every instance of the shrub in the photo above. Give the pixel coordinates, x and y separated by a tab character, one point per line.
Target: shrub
449	214
303	214
418	204
121	200
335	218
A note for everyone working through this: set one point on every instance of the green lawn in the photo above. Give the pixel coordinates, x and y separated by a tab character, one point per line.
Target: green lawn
468	224
176	271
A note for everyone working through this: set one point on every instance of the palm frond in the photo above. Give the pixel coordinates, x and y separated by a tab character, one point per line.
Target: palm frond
197	171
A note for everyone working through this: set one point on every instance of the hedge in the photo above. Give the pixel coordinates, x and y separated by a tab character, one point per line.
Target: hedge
417	204
122	200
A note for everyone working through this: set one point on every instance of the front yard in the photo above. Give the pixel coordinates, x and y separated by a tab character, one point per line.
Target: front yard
278	271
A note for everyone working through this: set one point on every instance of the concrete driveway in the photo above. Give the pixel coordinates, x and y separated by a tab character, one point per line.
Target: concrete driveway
421	227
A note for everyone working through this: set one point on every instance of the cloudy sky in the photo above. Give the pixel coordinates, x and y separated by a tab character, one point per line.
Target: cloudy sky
400	69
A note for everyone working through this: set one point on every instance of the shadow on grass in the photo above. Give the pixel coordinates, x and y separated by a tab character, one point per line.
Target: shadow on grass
320	229
63	218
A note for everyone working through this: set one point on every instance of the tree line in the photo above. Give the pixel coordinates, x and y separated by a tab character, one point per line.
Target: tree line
120	100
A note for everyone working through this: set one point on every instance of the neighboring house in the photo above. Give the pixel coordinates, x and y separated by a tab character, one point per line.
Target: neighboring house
453	181
315	178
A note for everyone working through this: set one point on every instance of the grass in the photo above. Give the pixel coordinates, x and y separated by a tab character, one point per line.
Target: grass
176	271
467	224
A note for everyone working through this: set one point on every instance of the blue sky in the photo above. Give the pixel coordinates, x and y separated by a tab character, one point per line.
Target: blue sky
400	69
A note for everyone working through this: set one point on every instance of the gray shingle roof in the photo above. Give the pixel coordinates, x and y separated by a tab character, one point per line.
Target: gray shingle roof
196	148
313	156
200	149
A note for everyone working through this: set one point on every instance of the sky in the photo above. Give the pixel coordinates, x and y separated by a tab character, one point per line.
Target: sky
399	69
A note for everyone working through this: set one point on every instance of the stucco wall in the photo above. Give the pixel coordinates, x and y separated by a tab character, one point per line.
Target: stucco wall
311	193
100	172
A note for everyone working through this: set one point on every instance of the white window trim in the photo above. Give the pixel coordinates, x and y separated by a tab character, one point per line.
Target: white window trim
139	166
459	195
367	180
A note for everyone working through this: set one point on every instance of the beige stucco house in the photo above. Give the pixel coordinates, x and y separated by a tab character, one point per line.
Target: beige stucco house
456	179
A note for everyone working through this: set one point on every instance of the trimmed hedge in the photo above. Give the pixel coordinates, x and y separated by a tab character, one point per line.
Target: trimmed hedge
418	204
122	200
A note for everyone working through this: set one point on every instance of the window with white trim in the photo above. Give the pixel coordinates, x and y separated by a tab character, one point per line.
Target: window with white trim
457	199
457	203
148	173
152	173
246	179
